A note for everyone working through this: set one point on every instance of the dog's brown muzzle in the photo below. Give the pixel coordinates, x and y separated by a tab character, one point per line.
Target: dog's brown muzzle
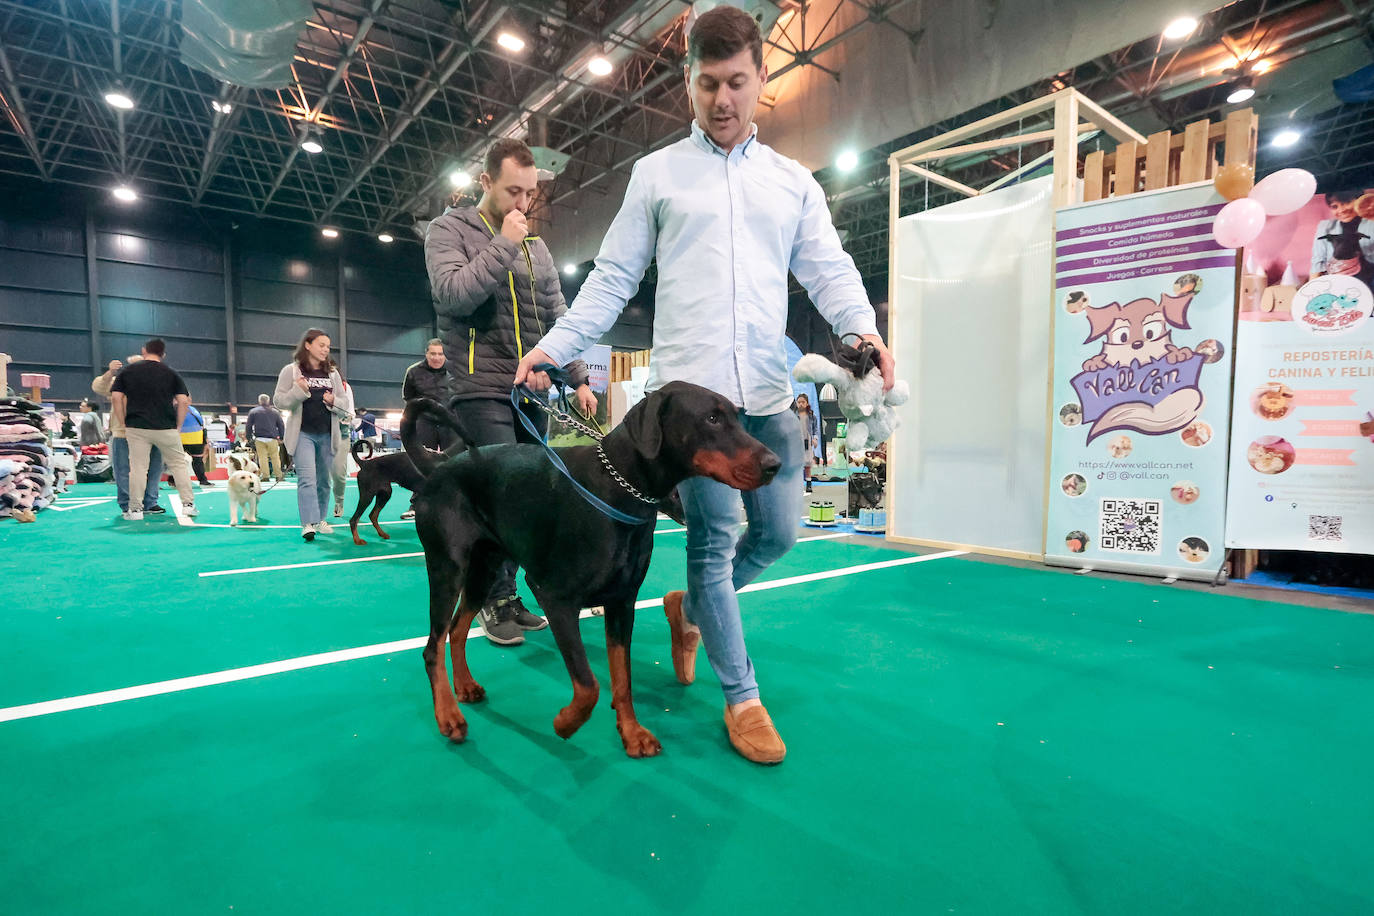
746	469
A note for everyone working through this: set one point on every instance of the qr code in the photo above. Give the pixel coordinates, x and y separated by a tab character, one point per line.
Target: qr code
1323	527
1130	525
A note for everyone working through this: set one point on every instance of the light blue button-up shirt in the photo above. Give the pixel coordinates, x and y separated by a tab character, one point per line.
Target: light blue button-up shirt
725	228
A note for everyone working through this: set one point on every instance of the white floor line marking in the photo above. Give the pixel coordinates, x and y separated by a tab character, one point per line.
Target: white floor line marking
176	510
828	574
80	502
827	537
105	697
258	569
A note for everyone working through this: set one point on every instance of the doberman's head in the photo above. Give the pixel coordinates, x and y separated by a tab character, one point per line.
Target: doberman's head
683	430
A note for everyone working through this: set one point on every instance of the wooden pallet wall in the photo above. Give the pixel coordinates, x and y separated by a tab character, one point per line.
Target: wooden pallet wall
1168	159
623	361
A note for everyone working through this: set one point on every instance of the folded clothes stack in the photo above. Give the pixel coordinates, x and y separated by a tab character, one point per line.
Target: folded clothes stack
27	481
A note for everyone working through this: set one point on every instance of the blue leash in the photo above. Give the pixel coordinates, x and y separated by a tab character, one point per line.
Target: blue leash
560	378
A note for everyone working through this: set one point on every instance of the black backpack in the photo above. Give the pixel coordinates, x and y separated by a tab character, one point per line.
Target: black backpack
94	469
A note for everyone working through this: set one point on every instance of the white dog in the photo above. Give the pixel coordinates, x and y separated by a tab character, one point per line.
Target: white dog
244	489
242	461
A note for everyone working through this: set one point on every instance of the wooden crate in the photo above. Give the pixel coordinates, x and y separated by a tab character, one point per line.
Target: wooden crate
1168	159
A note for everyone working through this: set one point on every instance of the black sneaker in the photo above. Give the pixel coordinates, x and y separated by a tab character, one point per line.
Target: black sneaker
522	617
499	625
155	510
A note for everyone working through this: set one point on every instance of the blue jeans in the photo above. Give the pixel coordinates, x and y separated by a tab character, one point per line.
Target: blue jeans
119	461
313	457
720	560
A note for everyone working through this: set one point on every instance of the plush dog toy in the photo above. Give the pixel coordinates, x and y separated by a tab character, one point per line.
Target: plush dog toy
862	401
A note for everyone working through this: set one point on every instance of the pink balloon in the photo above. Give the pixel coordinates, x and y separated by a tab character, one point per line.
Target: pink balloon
1285	191
1239	223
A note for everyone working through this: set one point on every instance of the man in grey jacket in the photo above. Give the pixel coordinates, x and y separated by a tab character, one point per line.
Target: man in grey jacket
496	292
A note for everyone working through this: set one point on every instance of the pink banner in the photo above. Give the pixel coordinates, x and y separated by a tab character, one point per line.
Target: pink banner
1325	456
1331	428
1324	398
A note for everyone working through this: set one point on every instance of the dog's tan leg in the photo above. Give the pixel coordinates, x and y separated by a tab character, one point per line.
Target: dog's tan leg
445	579
464	684
638	740
381	532
564	623
450	719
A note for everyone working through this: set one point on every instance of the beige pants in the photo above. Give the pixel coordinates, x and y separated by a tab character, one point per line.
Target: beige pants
269	457
175	461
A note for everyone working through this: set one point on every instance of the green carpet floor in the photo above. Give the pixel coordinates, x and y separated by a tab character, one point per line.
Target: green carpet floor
963	737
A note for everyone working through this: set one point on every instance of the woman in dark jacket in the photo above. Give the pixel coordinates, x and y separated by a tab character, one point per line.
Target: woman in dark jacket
496	291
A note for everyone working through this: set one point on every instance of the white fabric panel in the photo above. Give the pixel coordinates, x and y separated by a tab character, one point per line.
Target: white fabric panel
970	326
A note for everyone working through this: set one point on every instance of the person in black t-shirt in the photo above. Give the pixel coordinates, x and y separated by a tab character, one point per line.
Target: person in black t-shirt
150	399
305	388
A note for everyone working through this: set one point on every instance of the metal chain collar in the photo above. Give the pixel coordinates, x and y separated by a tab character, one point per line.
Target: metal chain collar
568	419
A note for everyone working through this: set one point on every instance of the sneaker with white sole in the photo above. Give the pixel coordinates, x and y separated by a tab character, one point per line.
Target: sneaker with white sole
498	623
133	515
338	508
189	510
308	532
407	515
324	528
522	616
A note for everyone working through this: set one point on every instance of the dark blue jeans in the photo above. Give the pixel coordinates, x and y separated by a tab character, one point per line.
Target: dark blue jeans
119	460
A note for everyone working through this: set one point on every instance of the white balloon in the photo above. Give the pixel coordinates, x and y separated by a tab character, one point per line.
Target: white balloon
1285	191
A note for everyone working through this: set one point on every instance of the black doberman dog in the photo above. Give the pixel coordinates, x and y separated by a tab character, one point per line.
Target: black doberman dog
376	475
487	504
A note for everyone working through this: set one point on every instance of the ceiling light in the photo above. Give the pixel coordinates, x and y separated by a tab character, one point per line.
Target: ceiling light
847	161
1242	90
511	42
311	144
124	193
1286	138
1181	27
459	178
118	98
386	238
599	66
221	107
570	269
1262	66
329	233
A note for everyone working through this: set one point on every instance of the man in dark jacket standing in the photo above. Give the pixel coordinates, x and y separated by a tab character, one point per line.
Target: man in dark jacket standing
429	378
496	292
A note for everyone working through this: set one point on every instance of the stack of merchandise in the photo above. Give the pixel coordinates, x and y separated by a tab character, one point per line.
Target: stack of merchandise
26	474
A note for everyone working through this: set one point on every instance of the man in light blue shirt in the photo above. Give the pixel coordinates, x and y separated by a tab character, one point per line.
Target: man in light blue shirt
726	217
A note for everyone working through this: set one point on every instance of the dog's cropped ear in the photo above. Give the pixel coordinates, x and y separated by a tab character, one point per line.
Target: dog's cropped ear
1176	309
1100	320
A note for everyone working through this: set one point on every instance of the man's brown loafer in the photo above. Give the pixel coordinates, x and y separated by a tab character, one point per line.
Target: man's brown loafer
753	735
685	640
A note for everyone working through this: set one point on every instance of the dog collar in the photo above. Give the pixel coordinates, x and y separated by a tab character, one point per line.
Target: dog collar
624	484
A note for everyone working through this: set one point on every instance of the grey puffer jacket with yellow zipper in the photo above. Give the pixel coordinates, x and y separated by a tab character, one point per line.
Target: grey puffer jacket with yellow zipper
494	300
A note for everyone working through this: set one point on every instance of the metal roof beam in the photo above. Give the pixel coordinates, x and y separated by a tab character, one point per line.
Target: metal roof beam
14	107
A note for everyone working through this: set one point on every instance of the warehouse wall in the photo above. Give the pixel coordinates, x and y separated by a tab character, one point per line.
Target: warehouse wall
83	281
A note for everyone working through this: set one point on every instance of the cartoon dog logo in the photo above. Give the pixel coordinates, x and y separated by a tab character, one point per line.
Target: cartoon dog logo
1138	379
1141	331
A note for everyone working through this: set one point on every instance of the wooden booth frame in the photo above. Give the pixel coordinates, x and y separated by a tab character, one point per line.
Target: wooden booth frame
1169	160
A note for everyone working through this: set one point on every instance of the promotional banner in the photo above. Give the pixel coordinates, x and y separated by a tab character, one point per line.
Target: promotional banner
598	360
1302	440
1144	312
